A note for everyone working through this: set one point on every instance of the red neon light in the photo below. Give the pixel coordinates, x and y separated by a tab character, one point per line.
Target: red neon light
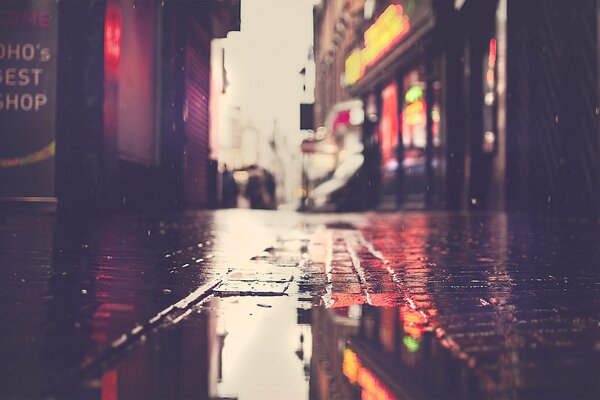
112	36
342	119
109	386
389	124
492	56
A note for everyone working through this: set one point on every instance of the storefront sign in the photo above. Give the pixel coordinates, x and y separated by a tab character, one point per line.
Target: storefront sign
27	98
353	67
407	20
389	28
112	36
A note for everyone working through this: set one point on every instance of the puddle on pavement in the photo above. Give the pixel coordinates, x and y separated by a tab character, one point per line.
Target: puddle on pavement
292	347
265	347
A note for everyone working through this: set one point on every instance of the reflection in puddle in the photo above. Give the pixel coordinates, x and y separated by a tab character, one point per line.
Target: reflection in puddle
231	347
367	352
277	347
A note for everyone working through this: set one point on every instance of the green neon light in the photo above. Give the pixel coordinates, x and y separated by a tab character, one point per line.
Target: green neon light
413	94
411	344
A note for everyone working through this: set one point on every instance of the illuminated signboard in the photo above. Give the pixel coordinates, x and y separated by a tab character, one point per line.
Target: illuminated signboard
112	36
490	79
353	67
414	113
389	130
389	28
28	54
413	94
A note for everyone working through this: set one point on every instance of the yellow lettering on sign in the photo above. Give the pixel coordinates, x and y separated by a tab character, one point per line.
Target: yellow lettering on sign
389	28
353	68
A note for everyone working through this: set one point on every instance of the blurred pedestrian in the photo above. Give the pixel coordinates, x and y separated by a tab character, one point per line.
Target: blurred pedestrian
230	189
270	190
254	190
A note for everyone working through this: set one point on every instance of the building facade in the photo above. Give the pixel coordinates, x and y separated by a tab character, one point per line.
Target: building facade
130	99
470	105
335	23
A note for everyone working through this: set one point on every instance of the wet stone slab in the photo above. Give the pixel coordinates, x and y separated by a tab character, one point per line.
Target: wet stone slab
241	288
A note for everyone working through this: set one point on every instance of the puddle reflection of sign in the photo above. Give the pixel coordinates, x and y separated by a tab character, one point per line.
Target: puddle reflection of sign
357	374
28	32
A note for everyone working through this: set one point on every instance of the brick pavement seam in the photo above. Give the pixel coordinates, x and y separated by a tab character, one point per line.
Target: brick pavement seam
439	332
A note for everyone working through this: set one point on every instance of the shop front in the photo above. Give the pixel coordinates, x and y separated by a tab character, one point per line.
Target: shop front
399	74
105	105
28	49
333	159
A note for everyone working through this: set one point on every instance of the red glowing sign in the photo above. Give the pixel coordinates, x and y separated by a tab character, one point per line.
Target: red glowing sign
342	119
389	125
112	36
490	76
492	56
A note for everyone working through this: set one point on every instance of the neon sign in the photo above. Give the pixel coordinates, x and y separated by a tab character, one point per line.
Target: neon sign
389	28
413	94
490	78
353	67
492	55
414	113
112	36
32	158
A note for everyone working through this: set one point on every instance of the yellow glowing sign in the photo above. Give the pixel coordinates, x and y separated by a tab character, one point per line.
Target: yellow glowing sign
389	28
354	68
414	113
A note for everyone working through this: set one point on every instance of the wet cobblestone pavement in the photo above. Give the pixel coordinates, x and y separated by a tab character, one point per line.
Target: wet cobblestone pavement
286	305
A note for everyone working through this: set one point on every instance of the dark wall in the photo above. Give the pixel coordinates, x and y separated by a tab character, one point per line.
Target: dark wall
172	133
91	175
184	133
451	33
552	122
80	83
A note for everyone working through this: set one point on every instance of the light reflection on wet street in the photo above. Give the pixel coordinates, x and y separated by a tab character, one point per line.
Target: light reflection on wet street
378	305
